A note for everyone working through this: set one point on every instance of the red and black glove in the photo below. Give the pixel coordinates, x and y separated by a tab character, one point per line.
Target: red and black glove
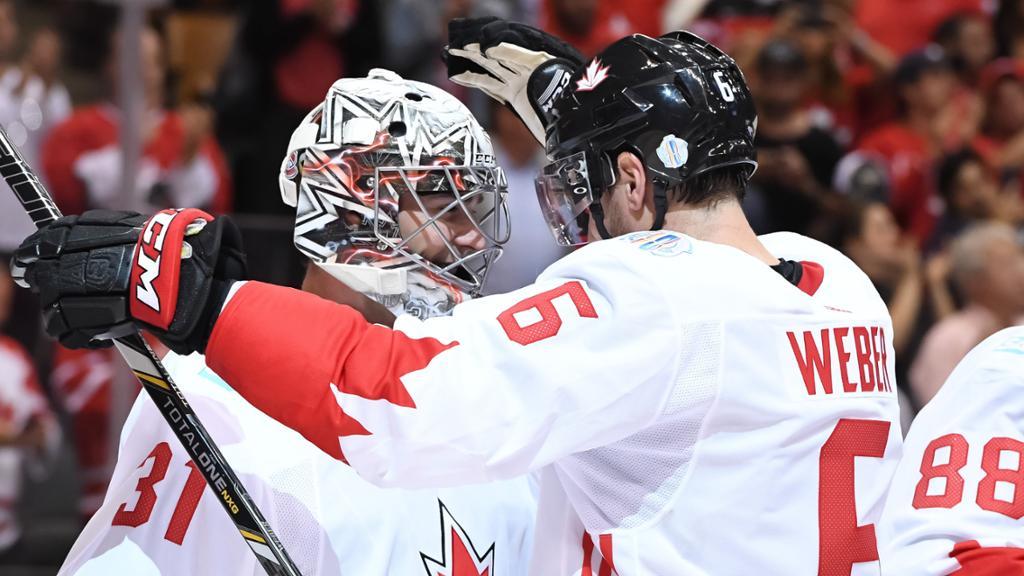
104	273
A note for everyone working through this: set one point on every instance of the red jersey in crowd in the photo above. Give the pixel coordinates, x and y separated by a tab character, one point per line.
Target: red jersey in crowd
612	21
82	162
909	161
906	25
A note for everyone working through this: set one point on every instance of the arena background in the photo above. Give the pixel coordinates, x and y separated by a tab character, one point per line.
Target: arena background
891	129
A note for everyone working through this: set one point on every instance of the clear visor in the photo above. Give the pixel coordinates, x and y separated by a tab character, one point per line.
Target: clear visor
451	219
564	192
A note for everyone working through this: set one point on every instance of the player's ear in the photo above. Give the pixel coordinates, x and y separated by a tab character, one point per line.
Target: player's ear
632	178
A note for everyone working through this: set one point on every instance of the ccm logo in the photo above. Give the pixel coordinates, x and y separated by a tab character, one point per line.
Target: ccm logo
554	89
148	258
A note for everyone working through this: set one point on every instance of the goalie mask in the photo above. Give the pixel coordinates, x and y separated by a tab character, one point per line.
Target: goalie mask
389	176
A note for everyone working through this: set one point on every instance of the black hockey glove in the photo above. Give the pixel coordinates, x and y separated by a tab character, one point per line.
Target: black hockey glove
517	65
98	272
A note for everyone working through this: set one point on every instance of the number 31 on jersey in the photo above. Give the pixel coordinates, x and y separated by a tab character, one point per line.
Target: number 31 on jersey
152	487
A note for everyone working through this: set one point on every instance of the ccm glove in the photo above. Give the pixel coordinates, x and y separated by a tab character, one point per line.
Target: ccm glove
104	273
516	64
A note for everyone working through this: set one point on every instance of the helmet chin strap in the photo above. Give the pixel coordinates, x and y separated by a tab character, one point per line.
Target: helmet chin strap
660	209
597	213
660	205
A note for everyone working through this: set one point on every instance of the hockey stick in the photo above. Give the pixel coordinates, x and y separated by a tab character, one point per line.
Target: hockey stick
165	393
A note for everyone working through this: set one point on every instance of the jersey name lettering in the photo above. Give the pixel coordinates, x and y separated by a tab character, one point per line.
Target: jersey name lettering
841	360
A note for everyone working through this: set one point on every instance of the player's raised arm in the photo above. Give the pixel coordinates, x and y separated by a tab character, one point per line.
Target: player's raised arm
518	65
506	384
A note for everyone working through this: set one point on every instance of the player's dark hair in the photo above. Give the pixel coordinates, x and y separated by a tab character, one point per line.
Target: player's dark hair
711	187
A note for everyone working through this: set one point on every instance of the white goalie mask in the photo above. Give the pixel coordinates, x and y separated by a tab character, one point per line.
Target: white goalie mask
392	174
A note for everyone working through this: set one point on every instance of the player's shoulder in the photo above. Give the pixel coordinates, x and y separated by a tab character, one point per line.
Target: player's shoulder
982	394
842	284
631	252
184	370
200	385
192	375
707	279
793	246
144	423
632	262
227	416
1000	357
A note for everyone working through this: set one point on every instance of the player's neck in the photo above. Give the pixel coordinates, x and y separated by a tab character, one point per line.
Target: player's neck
723	223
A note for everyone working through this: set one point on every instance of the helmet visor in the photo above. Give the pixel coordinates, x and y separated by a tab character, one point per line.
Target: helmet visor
564	192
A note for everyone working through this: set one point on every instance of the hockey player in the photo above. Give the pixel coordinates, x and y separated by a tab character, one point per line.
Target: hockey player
957	498
158	516
700	400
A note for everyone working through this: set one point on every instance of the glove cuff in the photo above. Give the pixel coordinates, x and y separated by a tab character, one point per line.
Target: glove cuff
546	84
156	266
201	256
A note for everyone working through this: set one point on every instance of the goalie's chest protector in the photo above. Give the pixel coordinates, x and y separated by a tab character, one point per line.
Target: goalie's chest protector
776	447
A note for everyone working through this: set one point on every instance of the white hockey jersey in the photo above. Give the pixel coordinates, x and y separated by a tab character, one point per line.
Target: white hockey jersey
692	410
158	516
957	498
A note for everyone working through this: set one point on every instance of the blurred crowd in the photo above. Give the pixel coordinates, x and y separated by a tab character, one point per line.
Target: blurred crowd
893	131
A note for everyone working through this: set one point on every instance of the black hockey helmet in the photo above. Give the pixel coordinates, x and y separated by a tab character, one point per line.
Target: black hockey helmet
677	101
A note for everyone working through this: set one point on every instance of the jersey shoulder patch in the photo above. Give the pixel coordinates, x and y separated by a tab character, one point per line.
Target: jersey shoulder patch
1011	342
659	242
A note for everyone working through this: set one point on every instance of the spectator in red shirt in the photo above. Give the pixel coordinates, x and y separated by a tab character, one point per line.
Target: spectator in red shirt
968	39
1002	138
796	158
845	64
924	84
181	164
580	23
907	25
287	54
590	25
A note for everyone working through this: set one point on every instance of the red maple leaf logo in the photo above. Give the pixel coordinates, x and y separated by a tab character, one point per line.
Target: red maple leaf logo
458	549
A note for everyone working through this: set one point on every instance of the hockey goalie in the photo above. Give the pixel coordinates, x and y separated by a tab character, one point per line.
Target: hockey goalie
373	174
